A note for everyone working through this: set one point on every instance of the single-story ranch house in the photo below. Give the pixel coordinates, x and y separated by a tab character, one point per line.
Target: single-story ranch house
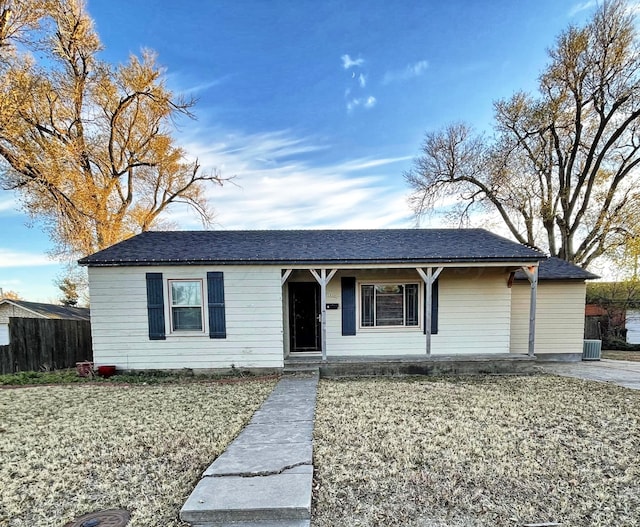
250	299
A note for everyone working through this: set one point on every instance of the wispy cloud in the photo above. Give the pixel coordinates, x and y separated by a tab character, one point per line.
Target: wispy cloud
582	6
12	258
8	205
273	190
632	7
178	83
364	102
409	72
354	96
266	149
348	62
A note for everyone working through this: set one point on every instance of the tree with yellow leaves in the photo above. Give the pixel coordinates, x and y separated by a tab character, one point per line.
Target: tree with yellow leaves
8	294
87	145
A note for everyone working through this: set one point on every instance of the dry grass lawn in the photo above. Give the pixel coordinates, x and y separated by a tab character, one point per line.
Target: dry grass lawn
621	355
69	450
488	451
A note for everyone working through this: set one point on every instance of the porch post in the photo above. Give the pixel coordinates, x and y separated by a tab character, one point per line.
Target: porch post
323	312
428	277
323	279
532	275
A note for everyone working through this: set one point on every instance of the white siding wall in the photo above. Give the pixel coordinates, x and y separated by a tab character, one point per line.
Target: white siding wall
474	316
4	334
559	317
9	310
632	323
253	309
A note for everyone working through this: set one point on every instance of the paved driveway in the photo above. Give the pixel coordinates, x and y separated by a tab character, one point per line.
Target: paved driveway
621	372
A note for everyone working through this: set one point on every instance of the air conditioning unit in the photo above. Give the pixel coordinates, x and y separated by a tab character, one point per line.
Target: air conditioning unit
591	349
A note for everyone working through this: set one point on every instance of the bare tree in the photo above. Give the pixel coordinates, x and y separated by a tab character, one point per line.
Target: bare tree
561	169
88	145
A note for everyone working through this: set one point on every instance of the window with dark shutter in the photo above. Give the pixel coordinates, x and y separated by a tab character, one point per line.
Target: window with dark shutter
155	306
185	305
215	293
384	305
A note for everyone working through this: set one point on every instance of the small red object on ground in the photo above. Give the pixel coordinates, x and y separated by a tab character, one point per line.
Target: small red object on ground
106	371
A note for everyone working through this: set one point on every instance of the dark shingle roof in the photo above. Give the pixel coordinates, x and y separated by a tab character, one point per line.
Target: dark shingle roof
313	246
52	310
558	269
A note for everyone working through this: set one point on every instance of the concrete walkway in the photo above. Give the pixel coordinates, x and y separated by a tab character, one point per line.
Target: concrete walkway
264	477
620	372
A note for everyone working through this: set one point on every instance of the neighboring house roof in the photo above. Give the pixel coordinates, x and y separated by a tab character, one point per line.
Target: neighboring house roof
557	269
50	310
313	247
594	310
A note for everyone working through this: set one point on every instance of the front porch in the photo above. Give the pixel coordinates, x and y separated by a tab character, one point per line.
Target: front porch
429	313
434	365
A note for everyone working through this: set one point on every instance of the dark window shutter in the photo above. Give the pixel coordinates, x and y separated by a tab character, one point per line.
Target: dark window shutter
155	306
348	305
215	294
434	307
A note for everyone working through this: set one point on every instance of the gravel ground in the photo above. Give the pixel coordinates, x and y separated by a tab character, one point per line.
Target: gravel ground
69	450
487	451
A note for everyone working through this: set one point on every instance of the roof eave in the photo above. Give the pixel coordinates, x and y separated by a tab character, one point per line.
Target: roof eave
30	310
323	262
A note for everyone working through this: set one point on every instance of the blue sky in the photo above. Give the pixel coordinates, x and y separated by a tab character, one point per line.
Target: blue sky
316	107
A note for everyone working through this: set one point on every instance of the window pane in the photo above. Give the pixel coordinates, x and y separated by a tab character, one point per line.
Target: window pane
411	305
367	305
389	305
186	293
187	318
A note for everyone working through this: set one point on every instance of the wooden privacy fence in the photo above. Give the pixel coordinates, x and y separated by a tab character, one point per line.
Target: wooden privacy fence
45	344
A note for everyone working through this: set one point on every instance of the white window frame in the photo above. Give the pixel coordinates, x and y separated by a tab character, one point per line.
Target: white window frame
170	306
403	283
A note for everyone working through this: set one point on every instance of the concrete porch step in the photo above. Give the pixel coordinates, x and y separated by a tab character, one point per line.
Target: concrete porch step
462	364
260	500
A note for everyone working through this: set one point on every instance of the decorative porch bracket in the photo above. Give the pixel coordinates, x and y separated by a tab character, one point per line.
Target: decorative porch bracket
286	273
323	279
429	275
532	275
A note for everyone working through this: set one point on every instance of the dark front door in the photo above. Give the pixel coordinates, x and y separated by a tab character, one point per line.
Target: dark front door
304	316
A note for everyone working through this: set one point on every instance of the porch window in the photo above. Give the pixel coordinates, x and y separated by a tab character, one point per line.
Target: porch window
384	305
186	305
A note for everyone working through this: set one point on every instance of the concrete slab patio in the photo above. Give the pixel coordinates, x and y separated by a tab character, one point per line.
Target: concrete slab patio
264	477
620	372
